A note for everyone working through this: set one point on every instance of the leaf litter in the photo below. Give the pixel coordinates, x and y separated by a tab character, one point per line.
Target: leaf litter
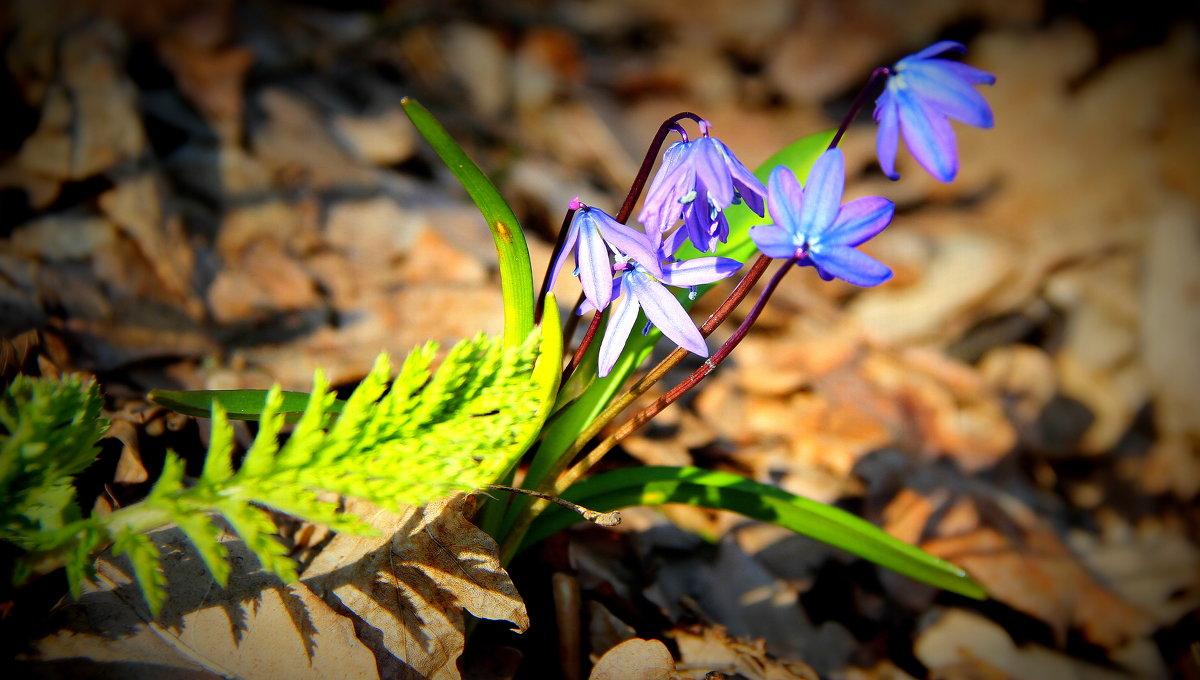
1020	399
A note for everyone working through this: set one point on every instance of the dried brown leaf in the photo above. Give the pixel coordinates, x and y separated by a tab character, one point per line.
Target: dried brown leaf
255	628
965	645
408	587
711	648
1019	560
89	120
635	659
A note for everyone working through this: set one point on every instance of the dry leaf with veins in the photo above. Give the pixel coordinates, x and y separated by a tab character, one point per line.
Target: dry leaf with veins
409	586
390	604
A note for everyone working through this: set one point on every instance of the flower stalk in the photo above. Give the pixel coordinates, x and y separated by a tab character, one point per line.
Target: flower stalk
641	417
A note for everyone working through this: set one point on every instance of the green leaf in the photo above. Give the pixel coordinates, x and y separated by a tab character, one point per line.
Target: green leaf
48	434
145	558
407	440
596	393
516	274
722	491
238	404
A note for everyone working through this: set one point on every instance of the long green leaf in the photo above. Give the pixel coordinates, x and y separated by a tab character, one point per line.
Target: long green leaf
596	393
238	404
641	486
516	274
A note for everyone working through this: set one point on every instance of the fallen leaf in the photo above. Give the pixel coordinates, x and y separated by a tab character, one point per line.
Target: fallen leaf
210	74
407	588
135	205
130	469
966	267
1019	560
635	659
962	644
255	628
712	648
298	148
89	119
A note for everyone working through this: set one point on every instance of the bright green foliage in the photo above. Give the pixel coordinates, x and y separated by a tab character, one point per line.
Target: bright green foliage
425	434
516	276
658	485
49	434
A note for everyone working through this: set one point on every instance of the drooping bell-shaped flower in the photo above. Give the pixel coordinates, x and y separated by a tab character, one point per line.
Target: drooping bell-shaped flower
922	94
640	289
812	225
593	236
697	181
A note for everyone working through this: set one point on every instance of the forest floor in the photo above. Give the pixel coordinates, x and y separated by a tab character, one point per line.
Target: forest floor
214	195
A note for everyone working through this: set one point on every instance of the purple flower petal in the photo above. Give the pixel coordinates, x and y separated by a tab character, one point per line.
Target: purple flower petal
823	193
858	221
934	50
665	312
587	306
567	246
719	231
674	179
966	72
888	116
671	243
929	136
697	224
712	172
699	271
748	186
774	241
619	326
628	241
850	265
952	96
595	265
752	195
785	198
921	95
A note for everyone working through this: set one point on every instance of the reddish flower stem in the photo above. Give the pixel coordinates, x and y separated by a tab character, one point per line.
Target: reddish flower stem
639	419
622	216
583	345
876	76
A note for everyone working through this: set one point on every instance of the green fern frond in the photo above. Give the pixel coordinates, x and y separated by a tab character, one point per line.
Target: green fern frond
409	440
49	435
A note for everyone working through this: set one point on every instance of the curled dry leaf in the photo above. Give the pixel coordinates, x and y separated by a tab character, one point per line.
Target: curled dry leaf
406	589
635	659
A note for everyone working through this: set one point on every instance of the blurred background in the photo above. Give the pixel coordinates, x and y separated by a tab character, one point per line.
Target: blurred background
208	195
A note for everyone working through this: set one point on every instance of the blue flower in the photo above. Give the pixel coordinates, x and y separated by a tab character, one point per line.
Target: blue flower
812	225
592	235
698	181
921	95
643	290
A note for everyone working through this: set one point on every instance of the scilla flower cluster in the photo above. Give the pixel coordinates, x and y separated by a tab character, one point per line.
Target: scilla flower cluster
809	225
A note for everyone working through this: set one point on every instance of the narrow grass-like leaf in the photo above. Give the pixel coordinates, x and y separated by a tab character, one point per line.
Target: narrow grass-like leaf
516	274
238	404
656	485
